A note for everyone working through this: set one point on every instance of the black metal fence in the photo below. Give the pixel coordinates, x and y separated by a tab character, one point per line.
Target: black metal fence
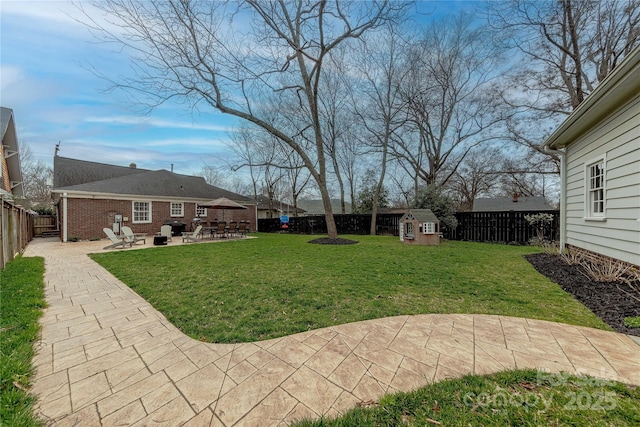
497	227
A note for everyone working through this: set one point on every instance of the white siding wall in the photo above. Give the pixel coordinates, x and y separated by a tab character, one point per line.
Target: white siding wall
618	139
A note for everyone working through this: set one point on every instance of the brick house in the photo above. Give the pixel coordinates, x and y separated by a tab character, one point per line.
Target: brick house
91	196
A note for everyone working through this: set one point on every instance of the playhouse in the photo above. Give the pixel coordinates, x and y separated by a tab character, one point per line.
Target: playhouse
420	227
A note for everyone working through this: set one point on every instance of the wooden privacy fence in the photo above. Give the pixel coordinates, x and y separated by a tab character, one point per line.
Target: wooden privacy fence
496	227
45	225
501	227
16	230
386	224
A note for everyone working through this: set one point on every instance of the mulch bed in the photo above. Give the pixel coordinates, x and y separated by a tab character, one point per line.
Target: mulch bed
328	241
608	301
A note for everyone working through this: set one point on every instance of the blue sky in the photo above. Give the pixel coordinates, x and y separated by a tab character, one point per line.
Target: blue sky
45	78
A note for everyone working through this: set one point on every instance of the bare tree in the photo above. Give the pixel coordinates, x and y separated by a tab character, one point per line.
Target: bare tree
208	52
382	108
37	178
212	175
334	112
451	104
568	46
475	176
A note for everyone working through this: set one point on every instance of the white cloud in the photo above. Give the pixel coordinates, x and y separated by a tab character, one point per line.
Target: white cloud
154	122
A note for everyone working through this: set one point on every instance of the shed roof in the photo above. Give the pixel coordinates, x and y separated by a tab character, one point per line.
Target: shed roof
505	204
422	215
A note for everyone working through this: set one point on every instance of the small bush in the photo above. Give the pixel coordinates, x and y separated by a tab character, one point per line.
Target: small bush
632	322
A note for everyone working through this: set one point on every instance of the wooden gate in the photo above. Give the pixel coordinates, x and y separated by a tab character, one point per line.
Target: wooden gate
45	226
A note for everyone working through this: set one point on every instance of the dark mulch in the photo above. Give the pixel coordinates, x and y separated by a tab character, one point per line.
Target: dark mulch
608	301
328	241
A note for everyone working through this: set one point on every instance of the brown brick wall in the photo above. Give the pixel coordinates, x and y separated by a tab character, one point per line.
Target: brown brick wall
597	258
87	217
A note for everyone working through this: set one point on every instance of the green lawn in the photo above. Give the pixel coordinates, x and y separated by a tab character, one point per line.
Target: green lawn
514	398
22	300
276	285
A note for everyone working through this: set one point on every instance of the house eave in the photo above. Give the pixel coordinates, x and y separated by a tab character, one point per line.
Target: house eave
77	194
610	95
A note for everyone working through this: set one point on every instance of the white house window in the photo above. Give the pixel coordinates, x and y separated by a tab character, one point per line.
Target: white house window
201	212
177	209
428	228
141	212
595	189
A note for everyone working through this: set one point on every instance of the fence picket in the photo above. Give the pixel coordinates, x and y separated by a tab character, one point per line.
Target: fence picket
497	227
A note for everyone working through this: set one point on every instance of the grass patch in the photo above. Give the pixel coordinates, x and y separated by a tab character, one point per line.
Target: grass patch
632	322
278	284
523	398
22	293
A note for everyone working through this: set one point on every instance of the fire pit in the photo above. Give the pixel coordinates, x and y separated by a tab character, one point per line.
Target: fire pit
177	227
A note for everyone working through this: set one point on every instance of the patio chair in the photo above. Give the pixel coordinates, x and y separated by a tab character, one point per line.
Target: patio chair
242	229
233	228
131	237
221	230
115	240
193	237
165	231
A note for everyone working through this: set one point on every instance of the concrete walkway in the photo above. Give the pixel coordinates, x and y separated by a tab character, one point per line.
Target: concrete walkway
107	358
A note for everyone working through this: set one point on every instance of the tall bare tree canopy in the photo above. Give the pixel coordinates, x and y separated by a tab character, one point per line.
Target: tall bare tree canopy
569	45
232	56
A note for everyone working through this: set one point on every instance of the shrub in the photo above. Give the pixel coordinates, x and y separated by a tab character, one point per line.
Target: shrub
441	205
541	221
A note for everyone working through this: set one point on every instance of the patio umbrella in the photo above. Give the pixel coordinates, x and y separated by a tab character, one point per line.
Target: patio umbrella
222	203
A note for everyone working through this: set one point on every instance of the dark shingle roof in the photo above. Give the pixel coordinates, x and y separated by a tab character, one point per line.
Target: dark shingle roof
263	204
140	182
68	172
422	215
505	204
5	117
315	207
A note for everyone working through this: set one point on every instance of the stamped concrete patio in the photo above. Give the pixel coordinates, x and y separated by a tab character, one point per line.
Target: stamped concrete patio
106	357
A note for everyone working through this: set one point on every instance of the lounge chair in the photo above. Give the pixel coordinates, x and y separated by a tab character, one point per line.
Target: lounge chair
193	237
115	240
165	231
131	237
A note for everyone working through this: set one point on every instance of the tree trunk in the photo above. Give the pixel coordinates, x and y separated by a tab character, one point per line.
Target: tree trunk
332	230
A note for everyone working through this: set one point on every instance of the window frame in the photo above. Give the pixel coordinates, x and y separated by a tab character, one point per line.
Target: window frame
428	228
598	193
135	219
181	214
204	215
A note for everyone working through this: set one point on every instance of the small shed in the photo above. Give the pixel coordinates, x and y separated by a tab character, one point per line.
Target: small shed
420	227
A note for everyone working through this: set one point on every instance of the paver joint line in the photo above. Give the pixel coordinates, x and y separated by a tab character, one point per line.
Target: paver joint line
277	380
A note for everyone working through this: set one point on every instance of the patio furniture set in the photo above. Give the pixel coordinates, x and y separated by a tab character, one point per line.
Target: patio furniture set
219	230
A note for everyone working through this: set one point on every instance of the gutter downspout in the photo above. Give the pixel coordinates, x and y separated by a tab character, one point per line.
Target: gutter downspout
563	193
64	217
